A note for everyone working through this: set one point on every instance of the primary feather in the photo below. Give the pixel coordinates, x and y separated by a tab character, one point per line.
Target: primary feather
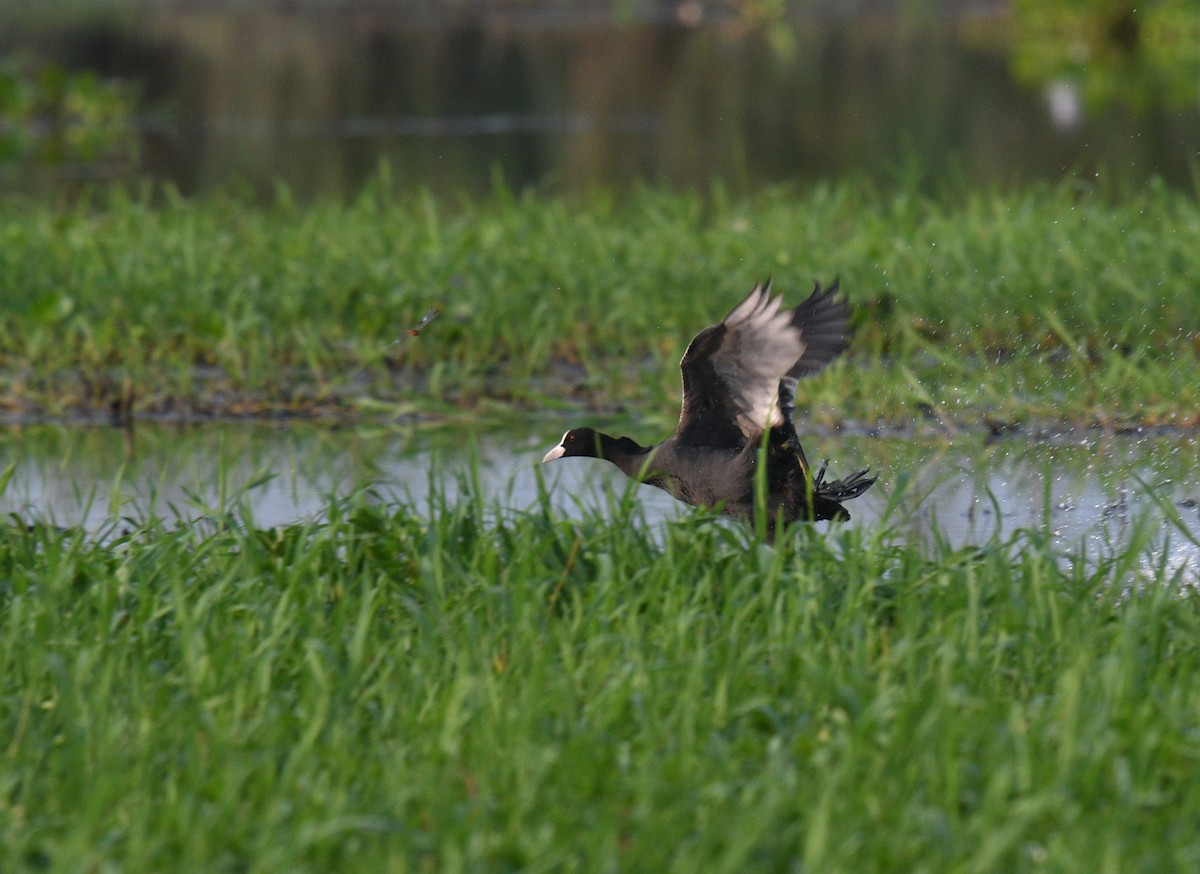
731	371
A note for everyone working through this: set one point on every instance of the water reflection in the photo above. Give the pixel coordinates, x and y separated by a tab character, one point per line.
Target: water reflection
1089	493
260	93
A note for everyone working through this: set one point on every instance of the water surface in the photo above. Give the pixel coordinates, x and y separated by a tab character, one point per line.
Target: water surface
1090	492
453	95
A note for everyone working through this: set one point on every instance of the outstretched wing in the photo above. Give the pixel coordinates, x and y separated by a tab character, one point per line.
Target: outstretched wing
824	322
731	370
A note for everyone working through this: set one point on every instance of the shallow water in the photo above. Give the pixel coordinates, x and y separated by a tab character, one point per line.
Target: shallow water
1091	492
682	93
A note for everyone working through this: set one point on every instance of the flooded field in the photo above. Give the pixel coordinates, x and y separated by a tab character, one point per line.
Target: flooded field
1020	607
1089	492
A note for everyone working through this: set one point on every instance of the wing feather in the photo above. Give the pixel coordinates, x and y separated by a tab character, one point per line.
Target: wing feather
731	370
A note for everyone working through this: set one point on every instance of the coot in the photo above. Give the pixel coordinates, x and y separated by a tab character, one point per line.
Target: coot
739	379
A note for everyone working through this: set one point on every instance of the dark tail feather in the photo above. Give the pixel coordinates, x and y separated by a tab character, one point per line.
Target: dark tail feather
827	495
841	489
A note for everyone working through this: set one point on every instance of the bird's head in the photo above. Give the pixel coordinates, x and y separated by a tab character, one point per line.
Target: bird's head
577	442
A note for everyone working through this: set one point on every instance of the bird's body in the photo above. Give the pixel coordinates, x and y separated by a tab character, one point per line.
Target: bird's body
739	377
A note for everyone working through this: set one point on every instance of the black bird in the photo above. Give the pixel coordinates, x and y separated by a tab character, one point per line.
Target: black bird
739	380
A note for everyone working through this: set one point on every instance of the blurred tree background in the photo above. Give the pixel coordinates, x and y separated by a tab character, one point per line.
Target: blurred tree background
578	95
69	121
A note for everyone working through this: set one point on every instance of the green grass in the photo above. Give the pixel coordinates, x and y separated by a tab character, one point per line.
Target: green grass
1040	303
441	688
460	687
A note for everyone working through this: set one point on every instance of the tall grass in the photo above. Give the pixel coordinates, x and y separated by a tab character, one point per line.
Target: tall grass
1046	301
452	687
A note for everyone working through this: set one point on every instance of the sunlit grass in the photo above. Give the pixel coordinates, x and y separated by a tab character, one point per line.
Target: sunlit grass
453	686
1042	302
456	685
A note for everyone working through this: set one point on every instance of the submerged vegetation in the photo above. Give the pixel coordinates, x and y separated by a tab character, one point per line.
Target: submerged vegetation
1041	303
455	687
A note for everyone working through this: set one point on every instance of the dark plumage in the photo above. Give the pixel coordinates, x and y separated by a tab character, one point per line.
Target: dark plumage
739	379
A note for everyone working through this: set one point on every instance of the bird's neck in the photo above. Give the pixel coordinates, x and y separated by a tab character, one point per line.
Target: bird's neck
628	455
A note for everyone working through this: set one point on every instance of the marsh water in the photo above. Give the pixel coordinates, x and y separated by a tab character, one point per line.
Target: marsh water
574	96
1090	491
